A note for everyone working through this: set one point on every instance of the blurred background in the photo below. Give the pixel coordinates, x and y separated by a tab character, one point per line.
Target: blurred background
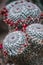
3	26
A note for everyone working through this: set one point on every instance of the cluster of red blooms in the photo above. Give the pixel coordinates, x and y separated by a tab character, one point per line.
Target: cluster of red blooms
4	12
1	47
9	22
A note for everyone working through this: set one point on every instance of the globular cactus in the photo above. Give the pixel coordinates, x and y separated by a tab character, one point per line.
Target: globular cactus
35	38
22	9
14	44
35	31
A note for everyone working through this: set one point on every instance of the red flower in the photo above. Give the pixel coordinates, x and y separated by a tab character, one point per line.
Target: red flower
41	14
1	46
16	29
25	45
11	23
5	53
4	12
24	25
